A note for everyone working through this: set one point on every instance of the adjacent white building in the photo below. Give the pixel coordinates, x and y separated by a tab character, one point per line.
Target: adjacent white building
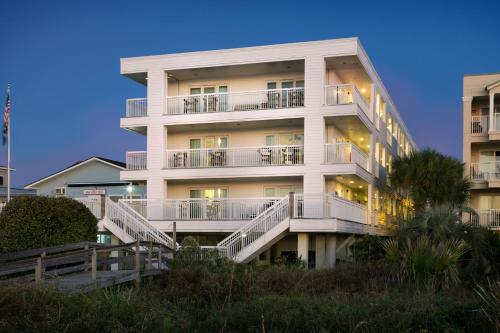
267	152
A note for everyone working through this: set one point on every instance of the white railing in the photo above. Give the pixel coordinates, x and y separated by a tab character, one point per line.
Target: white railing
135	225
479	171
496	121
256	228
345	152
235	157
479	125
345	94
485	171
321	206
93	204
136	160
489	218
137	107
237	101
202	209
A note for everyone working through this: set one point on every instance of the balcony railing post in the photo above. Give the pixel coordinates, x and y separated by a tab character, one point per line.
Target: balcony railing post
291	203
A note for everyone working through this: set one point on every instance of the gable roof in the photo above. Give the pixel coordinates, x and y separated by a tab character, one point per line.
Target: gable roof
493	85
113	163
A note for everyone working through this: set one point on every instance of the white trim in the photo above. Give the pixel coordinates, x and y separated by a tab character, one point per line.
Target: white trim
31	186
493	85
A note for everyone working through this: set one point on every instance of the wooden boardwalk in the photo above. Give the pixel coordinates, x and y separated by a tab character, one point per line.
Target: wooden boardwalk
83	266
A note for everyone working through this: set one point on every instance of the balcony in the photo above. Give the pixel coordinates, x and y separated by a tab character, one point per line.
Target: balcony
237	101
136	160
343	94
235	157
345	152
485	171
479	125
321	206
488	218
137	107
233	209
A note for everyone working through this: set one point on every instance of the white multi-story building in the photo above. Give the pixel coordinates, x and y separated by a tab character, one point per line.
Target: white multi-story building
265	152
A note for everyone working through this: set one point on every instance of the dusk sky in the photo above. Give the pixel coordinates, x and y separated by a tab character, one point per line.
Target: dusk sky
62	60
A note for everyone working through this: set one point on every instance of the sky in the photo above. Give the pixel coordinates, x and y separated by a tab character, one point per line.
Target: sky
62	61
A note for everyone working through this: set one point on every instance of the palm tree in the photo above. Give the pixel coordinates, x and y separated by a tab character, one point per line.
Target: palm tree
430	179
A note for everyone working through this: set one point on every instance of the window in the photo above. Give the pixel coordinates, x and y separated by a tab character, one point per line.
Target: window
280	191
104	239
283	139
208	193
1	180
60	191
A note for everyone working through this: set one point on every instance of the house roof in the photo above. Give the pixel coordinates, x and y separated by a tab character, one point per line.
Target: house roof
113	163
493	85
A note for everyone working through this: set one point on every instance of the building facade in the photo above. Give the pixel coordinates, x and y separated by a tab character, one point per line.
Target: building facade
481	145
233	134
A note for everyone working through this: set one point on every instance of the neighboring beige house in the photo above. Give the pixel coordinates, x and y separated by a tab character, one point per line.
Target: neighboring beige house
263	153
481	146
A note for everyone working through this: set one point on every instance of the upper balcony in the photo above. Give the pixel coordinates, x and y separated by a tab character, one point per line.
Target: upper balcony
237	101
342	94
345	152
347	83
235	157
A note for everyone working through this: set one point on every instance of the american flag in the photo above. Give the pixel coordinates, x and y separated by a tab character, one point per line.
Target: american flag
6	117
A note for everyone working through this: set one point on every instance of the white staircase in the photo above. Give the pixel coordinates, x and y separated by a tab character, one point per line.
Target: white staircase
259	234
129	226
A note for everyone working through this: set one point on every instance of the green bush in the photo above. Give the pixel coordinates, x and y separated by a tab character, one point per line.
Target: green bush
368	248
33	222
190	256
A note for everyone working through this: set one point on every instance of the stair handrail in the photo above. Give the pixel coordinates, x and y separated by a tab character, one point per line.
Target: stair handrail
148	231
164	238
247	234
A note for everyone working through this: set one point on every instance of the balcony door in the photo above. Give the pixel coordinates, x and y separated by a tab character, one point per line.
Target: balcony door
289	97
489	163
211	208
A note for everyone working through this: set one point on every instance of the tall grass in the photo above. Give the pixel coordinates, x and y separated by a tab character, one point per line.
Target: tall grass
360	298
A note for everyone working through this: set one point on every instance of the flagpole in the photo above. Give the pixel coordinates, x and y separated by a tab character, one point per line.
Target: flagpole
8	147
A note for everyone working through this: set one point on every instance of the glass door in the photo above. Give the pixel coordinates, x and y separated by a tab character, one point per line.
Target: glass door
287	94
195	154
223	99
209	99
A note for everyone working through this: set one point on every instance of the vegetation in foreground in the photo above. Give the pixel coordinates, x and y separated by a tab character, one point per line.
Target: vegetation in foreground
227	298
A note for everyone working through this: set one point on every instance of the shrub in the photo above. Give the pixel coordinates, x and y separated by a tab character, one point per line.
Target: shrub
33	222
490	298
368	248
425	261
190	255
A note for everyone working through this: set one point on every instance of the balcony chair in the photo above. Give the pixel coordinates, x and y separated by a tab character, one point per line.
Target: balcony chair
265	155
217	158
180	159
192	105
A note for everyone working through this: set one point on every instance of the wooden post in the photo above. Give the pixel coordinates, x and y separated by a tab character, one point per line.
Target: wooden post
138	263
43	255
86	247
38	270
137	257
150	256
291	203
174	237
94	265
159	256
